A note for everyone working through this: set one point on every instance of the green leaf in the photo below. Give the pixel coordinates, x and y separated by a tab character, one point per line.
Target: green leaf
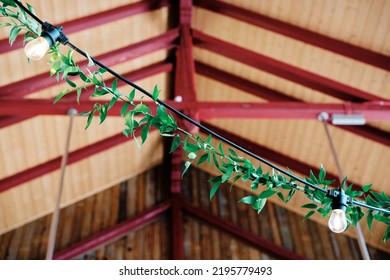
290	195
8	3
13	34
72	84
124	109
280	195
60	95
267	193
370	218
5	24
382	219
232	152
189	147
175	143
255	183
372	202
259	204
144	133
131	95
214	189
141	108
156	92
78	91
322	173
248	199
343	183
30	8
228	173
112	102
114	84
366	188
220	148
103	112
310	206
203	158
308	215
192	156
90	118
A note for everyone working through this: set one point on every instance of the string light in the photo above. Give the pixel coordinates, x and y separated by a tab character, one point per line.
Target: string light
37	48
338	220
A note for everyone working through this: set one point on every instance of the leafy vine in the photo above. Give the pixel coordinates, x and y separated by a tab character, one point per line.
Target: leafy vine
232	167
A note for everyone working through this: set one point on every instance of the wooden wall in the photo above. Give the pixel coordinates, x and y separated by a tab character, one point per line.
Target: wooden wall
201	240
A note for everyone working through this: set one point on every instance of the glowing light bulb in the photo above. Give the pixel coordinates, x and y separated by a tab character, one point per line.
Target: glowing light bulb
337	221
37	48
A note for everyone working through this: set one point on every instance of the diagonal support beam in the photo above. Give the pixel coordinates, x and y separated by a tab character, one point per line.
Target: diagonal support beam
40	82
241	84
244	235
304	35
281	69
97	19
113	233
54	164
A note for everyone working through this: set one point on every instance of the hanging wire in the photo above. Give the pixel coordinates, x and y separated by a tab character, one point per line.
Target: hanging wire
202	127
323	117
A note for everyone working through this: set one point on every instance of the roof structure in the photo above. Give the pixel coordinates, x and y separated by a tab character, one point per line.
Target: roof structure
257	72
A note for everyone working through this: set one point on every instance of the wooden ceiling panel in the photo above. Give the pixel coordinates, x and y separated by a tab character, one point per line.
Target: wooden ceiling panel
263	78
351	21
293	52
89	176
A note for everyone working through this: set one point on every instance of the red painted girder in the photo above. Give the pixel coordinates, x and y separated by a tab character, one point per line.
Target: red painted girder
247	236
112	233
177	234
139	74
54	164
268	110
97	19
304	35
42	81
185	68
241	84
272	155
371	133
6	121
282	69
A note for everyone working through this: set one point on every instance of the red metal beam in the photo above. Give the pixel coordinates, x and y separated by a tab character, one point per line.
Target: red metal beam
207	110
282	69
304	35
54	164
241	84
97	19
112	233
139	74
238	232
40	82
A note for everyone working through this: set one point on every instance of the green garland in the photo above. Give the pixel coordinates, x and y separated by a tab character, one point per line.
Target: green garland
138	116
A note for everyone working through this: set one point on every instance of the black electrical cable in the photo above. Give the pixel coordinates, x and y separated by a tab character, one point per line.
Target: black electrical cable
202	127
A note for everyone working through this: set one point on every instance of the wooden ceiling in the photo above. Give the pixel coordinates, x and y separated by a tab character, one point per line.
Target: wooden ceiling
258	72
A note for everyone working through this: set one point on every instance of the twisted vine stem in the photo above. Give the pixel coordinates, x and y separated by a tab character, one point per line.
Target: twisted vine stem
199	150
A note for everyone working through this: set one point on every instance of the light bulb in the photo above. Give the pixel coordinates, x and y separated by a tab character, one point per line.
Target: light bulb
337	221
37	48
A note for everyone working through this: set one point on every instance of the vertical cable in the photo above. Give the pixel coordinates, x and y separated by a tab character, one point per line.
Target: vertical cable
362	243
56	213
